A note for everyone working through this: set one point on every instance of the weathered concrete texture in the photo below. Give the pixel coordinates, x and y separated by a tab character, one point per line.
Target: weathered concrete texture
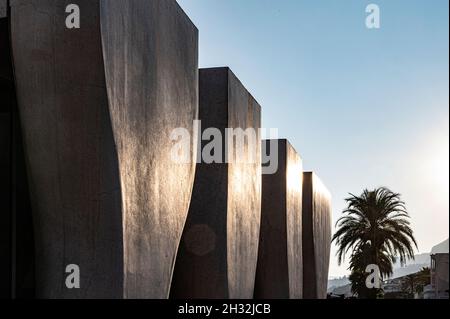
23	282
117	212
3	9
16	233
218	252
151	62
6	100
5	196
5	210
316	237
69	146
279	273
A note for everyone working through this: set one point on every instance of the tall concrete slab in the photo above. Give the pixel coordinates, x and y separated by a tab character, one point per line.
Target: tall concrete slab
279	273
16	233
5	211
218	252
69	147
151	63
316	237
6	101
3	8
97	106
23	245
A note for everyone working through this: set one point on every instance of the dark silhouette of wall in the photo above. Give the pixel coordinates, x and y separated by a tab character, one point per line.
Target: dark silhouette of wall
316	237
97	107
69	147
218	251
280	269
151	65
6	101
16	227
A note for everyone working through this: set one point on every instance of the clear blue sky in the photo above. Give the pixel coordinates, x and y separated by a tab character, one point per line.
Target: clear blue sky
364	108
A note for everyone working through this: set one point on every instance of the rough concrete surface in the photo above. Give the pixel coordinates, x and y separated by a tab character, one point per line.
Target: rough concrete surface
69	146
6	100
106	195
279	272
3	9
16	227
218	253
316	237
151	62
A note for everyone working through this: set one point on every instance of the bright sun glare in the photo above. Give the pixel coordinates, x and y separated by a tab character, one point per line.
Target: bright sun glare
438	166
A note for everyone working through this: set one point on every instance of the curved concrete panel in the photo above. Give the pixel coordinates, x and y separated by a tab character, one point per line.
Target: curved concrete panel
69	146
106	194
7	101
279	273
151	62
316	237
218	252
16	226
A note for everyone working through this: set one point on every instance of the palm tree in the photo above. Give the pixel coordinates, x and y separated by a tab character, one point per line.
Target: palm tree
359	260
409	284
415	283
423	278
376	230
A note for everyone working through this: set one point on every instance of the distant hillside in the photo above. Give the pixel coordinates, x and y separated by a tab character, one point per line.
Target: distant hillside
418	259
337	282
343	290
411	267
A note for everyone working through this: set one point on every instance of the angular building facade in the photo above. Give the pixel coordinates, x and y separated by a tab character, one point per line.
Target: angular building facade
439	276
279	274
152	84
16	225
7	100
90	123
6	105
316	235
218	252
105	195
